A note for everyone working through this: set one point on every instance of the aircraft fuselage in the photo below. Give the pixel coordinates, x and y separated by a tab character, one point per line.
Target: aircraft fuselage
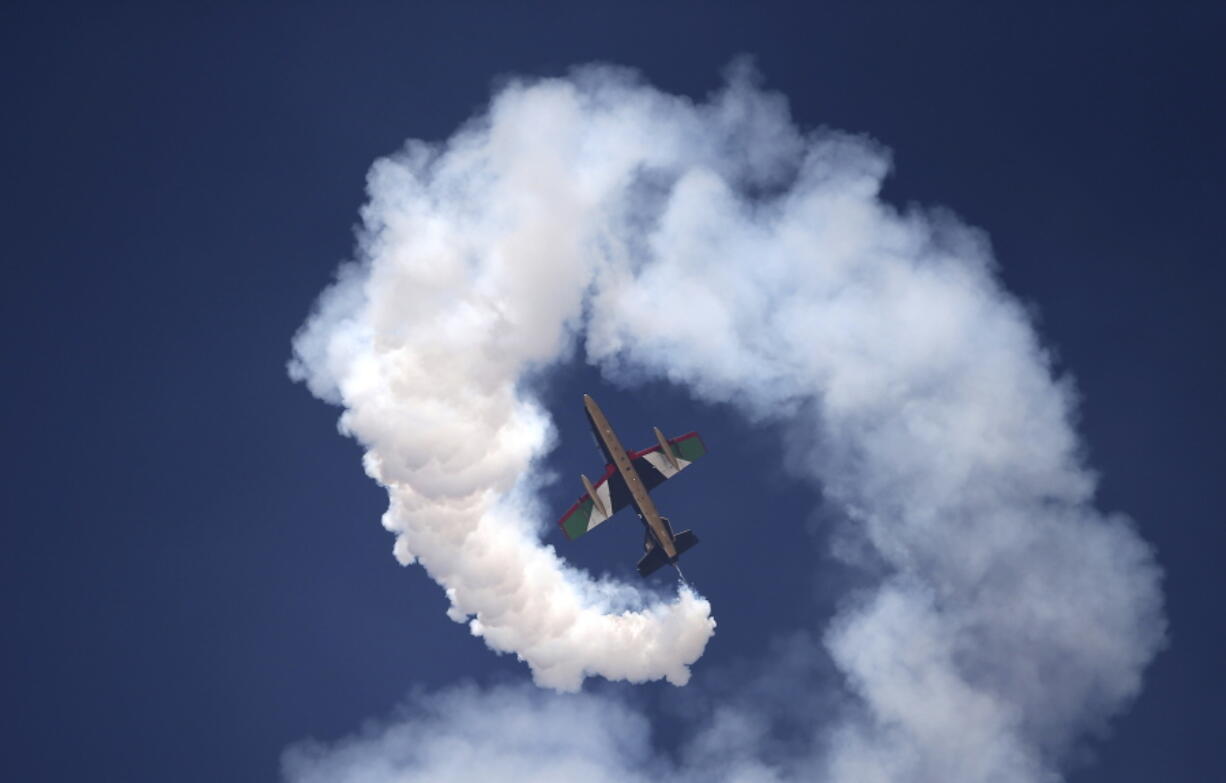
616	454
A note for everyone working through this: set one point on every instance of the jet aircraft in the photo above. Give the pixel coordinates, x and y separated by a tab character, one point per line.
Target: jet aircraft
627	480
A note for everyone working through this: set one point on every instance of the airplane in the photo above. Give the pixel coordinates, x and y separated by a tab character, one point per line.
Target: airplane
627	480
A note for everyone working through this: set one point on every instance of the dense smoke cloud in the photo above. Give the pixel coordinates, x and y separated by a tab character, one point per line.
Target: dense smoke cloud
575	214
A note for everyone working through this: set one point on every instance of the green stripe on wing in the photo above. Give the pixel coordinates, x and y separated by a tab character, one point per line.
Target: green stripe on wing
690	448
577	523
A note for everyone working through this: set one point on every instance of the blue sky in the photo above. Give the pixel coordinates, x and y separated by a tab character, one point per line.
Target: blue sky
196	575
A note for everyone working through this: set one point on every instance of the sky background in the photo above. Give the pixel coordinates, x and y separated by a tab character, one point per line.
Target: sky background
194	573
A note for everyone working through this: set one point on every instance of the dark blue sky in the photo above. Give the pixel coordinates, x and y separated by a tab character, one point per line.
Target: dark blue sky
195	576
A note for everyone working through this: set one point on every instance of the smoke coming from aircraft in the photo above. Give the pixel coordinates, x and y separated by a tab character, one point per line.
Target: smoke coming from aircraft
1008	615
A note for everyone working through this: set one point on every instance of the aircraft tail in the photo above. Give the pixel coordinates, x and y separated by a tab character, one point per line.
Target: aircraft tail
656	559
685	540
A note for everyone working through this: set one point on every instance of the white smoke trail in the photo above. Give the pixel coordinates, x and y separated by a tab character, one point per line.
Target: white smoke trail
720	247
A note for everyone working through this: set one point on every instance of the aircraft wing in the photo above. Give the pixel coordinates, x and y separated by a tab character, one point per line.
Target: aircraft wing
611	496
653	466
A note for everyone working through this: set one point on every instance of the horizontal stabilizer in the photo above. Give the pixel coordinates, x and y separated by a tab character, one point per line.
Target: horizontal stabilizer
657	558
685	540
653	561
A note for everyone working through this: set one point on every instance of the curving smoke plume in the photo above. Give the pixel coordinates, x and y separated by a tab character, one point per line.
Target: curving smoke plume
1008	614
